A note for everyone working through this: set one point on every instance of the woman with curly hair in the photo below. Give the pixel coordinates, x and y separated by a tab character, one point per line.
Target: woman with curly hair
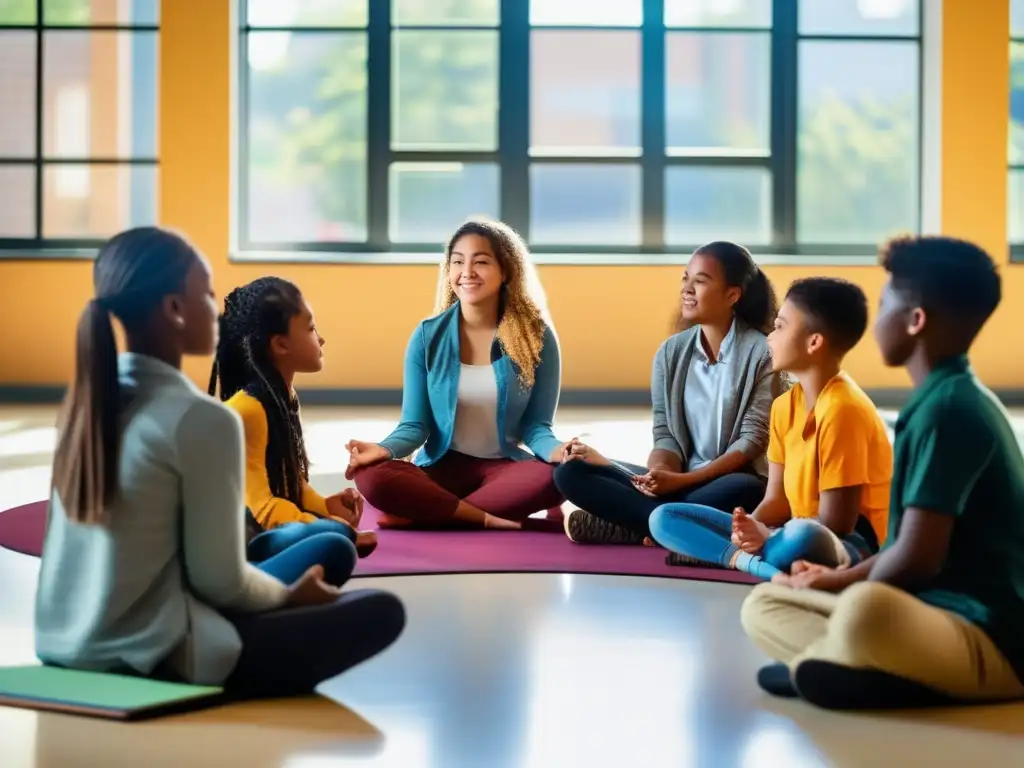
482	376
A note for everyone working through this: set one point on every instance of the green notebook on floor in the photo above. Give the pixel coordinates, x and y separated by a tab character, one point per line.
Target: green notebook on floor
96	694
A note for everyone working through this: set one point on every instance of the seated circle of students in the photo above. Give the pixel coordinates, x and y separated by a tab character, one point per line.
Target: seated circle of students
712	388
829	456
267	335
482	376
143	569
937	617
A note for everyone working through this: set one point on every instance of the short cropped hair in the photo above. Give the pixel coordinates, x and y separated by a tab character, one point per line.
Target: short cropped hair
946	276
838	309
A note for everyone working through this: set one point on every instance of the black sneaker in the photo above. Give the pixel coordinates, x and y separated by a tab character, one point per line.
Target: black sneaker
833	686
777	680
585	528
675	558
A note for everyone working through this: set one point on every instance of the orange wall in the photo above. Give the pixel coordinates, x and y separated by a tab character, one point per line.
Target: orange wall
366	341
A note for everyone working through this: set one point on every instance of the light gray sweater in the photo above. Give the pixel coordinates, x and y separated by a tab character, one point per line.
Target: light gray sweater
147	586
751	387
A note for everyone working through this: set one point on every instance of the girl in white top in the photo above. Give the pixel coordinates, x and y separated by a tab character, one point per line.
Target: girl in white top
143	567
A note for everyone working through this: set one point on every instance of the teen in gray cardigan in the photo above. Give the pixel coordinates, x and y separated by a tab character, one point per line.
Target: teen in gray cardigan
143	568
712	389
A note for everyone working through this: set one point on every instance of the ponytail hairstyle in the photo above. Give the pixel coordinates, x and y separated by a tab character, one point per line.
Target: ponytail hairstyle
133	272
522	312
253	315
757	305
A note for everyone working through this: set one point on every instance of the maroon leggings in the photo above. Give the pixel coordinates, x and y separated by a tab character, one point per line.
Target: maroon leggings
505	488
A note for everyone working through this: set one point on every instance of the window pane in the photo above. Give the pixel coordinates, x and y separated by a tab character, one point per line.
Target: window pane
859	17
715	13
1017	18
307	136
18	93
430	200
584	204
1016	205
444	90
85	12
17	12
704	204
585	92
307	13
589	13
1017	103
99	94
17	201
444	13
858	153
97	201
718	92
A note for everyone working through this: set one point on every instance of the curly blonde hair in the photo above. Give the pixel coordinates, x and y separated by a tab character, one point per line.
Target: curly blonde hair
522	312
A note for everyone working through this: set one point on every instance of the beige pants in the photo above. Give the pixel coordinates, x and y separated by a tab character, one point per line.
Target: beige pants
877	626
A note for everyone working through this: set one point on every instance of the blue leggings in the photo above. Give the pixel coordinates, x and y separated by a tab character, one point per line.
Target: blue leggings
290	550
705	533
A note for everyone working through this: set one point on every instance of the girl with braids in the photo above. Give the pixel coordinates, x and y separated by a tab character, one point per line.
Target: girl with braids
481	377
143	569
267	335
712	390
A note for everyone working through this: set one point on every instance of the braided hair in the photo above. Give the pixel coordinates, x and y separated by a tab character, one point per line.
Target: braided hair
253	314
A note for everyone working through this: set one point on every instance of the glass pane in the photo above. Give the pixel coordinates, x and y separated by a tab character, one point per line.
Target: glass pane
18	93
859	17
84	12
307	136
587	13
858	153
17	12
716	13
444	90
99	94
430	200
704	204
307	13
1017	18
1016	207
585	92
17	201
584	204
97	201
718	92
1017	103
444	13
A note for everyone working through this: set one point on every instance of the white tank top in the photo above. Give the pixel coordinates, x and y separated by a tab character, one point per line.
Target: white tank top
476	414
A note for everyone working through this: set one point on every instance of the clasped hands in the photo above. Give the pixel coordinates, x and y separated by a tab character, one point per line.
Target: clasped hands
658	481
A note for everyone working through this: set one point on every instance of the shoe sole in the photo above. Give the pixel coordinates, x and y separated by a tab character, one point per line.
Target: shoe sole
584	528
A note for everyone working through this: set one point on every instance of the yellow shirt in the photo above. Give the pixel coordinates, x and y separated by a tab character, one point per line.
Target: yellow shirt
269	510
840	443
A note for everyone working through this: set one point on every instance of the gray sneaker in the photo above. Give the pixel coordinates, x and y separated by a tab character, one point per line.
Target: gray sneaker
585	528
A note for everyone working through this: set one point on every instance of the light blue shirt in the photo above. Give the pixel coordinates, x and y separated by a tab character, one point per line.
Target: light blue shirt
704	401
430	394
146	586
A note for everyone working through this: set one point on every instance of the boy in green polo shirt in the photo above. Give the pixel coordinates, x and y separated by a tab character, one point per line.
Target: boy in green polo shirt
936	617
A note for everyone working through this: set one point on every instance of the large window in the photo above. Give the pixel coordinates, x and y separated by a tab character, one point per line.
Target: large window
633	126
78	103
1015	188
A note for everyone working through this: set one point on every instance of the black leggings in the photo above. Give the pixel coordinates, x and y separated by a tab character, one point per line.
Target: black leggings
608	493
290	651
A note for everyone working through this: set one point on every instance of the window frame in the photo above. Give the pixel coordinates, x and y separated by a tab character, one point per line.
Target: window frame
40	247
514	159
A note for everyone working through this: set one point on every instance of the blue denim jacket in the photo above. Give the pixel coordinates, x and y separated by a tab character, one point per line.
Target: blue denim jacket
430	389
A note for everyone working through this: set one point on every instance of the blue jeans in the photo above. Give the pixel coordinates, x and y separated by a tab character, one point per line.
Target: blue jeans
288	551
705	533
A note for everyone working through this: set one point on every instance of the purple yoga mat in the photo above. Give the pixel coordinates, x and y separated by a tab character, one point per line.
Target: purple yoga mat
402	553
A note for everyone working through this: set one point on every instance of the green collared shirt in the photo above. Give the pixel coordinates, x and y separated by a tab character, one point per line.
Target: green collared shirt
956	454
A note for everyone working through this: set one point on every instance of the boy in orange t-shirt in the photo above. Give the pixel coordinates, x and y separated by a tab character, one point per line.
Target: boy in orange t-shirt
830	459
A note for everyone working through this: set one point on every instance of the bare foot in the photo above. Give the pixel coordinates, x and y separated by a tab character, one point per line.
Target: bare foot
366	542
500	524
391	521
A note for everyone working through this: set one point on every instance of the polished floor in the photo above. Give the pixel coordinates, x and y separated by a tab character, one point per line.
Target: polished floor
516	670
